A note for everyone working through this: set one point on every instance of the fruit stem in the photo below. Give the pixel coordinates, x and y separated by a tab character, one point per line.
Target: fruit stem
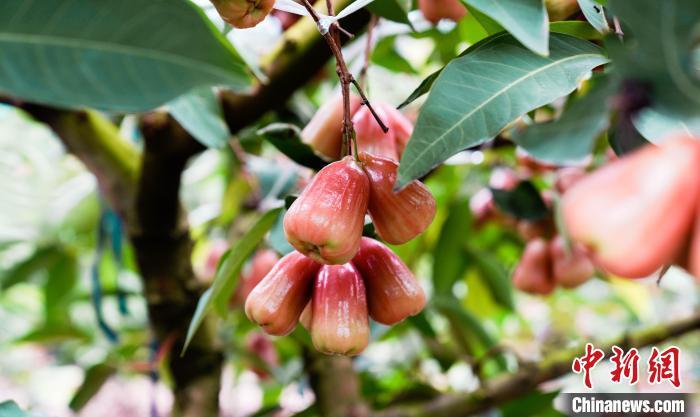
346	78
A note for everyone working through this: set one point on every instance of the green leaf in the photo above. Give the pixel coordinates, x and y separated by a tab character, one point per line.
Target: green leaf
662	38
575	28
571	137
526	20
200	114
62	278
11	409
449	264
385	54
95	377
524	202
422	89
127	55
42	259
395	10
228	272
287	139
595	14
478	94
494	275
536	404
656	125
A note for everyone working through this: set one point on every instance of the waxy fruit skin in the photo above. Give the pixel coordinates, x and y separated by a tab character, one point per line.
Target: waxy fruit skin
533	274
262	263
435	10
243	13
634	213
326	221
397	217
370	136
569	269
392	291
339	320
324	133
400	125
277	301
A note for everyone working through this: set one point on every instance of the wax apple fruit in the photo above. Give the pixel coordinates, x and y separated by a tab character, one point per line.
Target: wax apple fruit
243	13
326	221
533	273
262	263
400	125
277	301
569	269
435	10
339	320
324	133
634	213
370	136
392	291
397	217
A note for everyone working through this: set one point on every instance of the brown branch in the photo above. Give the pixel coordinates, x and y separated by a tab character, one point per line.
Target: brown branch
336	385
509	387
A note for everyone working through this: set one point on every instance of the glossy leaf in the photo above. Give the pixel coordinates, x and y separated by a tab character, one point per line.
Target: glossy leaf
572	137
655	125
661	58
95	377
287	139
494	275
396	10
200	114
526	20
228	271
127	55
478	94
524	202
595	14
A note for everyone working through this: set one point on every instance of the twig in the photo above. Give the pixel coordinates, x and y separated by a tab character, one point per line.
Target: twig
368	50
618	28
512	386
346	79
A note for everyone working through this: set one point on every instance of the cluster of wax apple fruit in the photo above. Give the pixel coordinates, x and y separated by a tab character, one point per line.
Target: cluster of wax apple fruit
336	277
639	213
546	262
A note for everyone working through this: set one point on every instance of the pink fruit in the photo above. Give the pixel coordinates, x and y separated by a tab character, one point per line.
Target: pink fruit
533	274
277	301
262	263
392	291
370	136
243	13
435	10
568	177
326	221
504	179
397	217
339	320
262	347
400	125
482	205
570	269
634	214
324	133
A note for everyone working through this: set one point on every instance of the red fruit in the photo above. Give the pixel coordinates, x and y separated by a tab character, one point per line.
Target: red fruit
262	263
533	273
435	10
278	300
634	213
326	221
530	164
262	347
370	136
305	318
397	217
392	291
482	205
324	133
529	230
570	269
567	177
504	179
401	125
339	321
243	13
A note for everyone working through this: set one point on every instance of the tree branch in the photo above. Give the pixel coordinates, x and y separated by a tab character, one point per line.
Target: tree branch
512	386
336	385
